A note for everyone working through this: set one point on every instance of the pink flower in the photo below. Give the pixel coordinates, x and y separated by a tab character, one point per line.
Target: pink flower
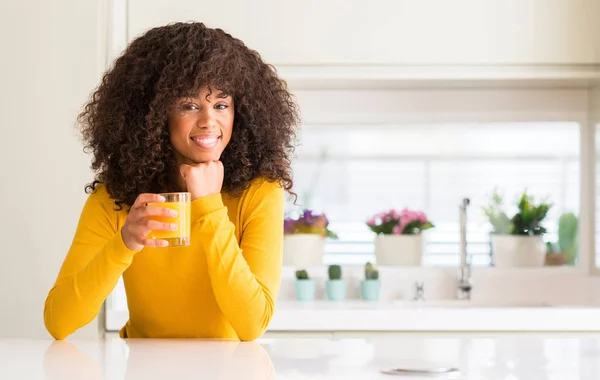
408	216
385	217
395	214
372	222
422	217
397	230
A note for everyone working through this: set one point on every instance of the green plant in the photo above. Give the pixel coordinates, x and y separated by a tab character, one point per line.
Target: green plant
302	274
496	215
526	221
370	272
567	236
335	272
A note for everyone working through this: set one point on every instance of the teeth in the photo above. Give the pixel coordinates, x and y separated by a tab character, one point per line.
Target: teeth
207	140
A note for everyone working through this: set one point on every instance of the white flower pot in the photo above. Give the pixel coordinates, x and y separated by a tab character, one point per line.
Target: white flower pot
512	251
303	250
401	250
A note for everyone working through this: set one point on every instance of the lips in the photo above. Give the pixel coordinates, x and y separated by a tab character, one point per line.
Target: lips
206	141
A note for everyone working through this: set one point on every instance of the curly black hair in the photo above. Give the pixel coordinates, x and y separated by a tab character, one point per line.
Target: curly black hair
124	125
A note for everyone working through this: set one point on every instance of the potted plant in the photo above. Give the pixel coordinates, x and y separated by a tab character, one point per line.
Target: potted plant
565	250
336	286
305	286
517	241
304	239
369	287
399	236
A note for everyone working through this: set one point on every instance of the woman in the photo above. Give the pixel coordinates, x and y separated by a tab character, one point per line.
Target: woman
185	108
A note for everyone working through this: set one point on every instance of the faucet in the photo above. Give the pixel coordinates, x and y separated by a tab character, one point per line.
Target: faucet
464	272
419	292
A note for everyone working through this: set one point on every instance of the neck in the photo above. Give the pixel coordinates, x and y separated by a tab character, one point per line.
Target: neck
176	178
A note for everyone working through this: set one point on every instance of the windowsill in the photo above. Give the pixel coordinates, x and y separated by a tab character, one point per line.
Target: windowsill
431	270
431	316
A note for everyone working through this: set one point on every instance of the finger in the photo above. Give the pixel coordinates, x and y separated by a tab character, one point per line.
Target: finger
157	211
157	243
143	199
153	225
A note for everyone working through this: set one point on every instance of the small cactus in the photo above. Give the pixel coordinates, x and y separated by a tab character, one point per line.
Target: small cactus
335	272
567	236
302	274
370	272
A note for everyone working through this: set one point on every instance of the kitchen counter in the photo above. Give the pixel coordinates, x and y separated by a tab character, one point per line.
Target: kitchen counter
501	357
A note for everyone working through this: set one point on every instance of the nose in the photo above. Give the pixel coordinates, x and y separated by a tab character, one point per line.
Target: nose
205	119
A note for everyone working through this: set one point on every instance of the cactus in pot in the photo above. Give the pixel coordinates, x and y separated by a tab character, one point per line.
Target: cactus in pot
304	287
564	251
567	236
336	286
335	272
370	272
369	287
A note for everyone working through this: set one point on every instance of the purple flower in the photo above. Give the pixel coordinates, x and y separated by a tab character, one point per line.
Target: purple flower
289	225
308	222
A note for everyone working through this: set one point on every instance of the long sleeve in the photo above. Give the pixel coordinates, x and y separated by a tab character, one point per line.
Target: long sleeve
245	277
97	258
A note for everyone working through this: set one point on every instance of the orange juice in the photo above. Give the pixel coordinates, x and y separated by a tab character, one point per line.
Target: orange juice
181	204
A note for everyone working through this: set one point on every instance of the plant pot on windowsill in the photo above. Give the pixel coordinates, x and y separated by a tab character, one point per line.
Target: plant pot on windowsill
398	250
304	239
303	250
517	241
335	287
304	286
514	251
399	238
369	287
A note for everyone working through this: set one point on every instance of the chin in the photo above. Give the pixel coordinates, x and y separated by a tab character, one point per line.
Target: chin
206	157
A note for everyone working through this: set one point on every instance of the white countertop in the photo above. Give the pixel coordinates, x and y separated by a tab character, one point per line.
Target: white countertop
499	357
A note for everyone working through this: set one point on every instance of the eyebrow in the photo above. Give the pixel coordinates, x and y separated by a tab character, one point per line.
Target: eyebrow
220	95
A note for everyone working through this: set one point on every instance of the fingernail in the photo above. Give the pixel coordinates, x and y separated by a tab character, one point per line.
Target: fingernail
173	213
165	243
161	198
173	226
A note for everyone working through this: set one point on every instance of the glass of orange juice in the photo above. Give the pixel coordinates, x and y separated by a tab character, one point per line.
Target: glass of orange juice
180	202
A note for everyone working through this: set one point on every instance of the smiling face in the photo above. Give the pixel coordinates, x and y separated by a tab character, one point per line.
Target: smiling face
200	125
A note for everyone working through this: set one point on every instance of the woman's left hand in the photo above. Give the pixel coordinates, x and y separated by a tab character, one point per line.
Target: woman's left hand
203	179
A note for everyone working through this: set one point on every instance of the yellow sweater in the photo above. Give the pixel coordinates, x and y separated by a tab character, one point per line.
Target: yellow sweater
223	285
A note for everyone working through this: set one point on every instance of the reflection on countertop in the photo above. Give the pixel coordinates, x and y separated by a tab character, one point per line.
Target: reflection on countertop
500	356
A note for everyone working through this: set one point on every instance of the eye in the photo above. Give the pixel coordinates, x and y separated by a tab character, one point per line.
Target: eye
189	107
221	106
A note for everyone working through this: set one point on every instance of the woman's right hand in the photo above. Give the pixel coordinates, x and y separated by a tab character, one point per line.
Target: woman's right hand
138	224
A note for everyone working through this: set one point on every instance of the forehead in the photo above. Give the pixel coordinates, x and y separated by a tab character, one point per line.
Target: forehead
206	93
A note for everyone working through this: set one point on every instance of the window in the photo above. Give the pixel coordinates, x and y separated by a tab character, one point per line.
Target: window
351	171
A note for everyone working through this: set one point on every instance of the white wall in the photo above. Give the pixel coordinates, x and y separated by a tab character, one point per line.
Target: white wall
394	32
49	66
594	106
